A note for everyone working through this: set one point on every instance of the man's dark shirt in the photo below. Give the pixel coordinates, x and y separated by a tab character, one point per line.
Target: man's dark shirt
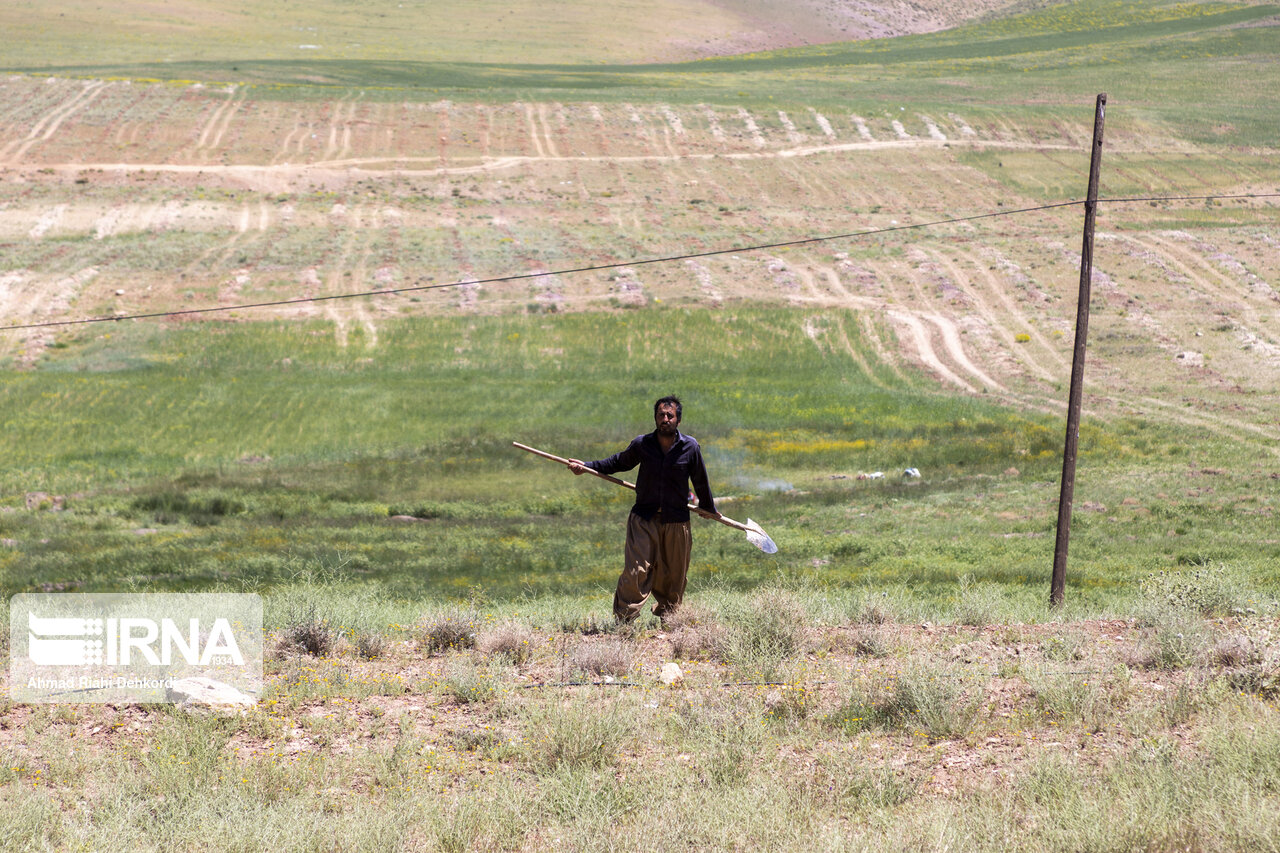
663	481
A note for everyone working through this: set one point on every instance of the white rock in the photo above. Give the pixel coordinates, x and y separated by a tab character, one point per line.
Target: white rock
671	674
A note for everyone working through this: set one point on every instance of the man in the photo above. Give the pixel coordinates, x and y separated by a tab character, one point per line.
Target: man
658	537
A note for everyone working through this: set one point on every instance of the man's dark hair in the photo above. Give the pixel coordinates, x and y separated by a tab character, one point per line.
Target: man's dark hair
669	400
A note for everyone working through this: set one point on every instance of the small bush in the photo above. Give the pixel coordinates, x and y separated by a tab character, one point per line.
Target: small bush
371	645
870	644
722	732
1207	591
312	634
931	703
857	713
980	604
1063	647
769	630
699	643
576	734
446	633
849	786
790	702
877	610
1070	699
509	640
1179	640
1259	675
694	634
468	683
602	657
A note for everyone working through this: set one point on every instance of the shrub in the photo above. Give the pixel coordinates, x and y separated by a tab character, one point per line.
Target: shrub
850	786
876	611
576	734
1207	591
694	634
722	732
1179	639
930	702
451	631
869	644
371	645
509	640
1071	699
767	632
602	657
1260	674
856	713
980	604
311	634
468	683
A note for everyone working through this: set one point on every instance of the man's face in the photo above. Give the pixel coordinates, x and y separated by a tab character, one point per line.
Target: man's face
665	419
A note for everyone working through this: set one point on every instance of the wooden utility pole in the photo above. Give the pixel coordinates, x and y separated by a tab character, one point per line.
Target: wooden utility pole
1057	589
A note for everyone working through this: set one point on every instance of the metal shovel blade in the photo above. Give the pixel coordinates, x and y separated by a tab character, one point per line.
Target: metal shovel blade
756	536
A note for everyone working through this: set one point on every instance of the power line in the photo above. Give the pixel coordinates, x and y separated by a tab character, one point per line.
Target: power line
617	264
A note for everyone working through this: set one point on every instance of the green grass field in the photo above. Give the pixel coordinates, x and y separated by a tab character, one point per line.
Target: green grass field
244	452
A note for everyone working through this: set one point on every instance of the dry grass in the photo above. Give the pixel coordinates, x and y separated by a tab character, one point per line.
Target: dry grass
937	735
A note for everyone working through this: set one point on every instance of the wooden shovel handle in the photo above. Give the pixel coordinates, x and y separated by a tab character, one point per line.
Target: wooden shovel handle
632	486
563	461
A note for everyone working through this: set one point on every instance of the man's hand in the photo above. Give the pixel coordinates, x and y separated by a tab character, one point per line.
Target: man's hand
576	466
714	516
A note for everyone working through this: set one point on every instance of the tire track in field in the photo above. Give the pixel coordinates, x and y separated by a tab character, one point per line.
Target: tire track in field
348	128
340	142
534	132
713	125
917	324
1263	438
823	123
220	132
339	136
48	220
834	332
26	297
121	130
357	241
11	112
934	336
706	282
444	132
645	133
222	251
48	124
1199	271
601	139
248	232
1007	321
921	341
485	131
544	123
292	139
215	127
752	128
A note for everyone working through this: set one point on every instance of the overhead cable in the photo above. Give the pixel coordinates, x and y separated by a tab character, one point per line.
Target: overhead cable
617	264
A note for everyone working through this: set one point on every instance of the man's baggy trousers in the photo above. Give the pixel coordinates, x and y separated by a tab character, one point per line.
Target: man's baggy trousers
657	562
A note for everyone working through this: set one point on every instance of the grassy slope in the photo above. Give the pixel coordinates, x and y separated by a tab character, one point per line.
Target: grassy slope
81	32
246	454
164	440
1154	57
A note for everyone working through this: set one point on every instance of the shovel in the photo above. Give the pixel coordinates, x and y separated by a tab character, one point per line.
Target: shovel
755	535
